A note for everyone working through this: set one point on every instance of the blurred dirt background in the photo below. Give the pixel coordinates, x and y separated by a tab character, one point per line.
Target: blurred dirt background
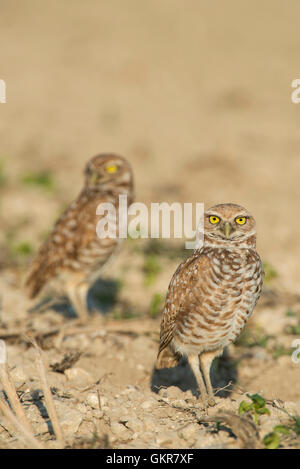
197	95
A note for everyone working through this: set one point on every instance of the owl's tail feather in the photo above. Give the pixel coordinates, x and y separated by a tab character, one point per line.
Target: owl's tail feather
167	359
34	282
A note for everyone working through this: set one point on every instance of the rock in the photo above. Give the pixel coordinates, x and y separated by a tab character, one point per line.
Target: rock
188	396
174	392
149	424
118	415
78	342
69	419
134	424
93	400
163	393
189	433
81	408
79	377
147	404
133	396
18	375
99	414
128	390
39	424
167	439
119	430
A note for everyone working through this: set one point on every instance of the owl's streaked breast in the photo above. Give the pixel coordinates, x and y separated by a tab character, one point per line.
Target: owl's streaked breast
219	304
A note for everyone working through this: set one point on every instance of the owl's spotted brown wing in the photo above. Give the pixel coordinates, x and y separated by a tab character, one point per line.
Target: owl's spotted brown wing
181	294
73	243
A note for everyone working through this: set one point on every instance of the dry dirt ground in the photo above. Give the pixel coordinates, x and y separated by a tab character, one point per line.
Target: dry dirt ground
199	100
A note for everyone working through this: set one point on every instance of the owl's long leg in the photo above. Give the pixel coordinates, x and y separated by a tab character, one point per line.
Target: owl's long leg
206	359
194	364
82	293
77	294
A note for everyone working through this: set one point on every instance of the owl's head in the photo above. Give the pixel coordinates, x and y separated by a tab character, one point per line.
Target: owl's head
229	223
109	172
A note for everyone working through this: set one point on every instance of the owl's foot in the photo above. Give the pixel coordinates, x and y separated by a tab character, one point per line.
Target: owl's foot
203	401
211	401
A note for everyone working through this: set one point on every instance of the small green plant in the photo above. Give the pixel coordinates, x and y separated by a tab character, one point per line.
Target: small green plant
124	310
152	268
290	314
22	249
163	249
282	429
156	305
293	330
296	424
253	339
273	439
2	174
270	272
280	351
256	407
124	314
43	180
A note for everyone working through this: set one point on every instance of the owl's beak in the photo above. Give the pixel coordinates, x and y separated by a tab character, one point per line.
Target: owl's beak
227	229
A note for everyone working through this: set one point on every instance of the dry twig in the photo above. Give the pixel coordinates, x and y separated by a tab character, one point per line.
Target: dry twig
47	393
24	434
20	421
9	387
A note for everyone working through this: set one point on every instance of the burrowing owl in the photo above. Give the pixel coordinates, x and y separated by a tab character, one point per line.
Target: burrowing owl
212	294
74	254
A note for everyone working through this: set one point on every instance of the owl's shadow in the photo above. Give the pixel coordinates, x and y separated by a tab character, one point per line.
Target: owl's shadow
102	297
223	376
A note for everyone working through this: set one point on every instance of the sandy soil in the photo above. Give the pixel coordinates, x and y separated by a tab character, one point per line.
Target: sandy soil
199	100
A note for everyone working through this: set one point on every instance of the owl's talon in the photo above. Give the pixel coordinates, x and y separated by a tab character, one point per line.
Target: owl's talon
211	401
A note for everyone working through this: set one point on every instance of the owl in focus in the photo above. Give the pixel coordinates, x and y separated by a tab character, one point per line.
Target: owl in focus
212	294
74	255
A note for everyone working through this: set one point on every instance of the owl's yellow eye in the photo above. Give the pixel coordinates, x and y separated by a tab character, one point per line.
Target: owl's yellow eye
213	219
111	169
240	220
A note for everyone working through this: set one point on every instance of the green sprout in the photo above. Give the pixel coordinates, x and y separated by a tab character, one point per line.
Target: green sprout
293	330
22	249
296	425
280	351
151	268
256	407
290	314
272	439
163	249
123	314
2	174
249	339
270	272
43	180
156	305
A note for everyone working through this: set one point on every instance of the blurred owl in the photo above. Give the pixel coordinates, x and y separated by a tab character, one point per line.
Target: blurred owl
212	294
74	254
